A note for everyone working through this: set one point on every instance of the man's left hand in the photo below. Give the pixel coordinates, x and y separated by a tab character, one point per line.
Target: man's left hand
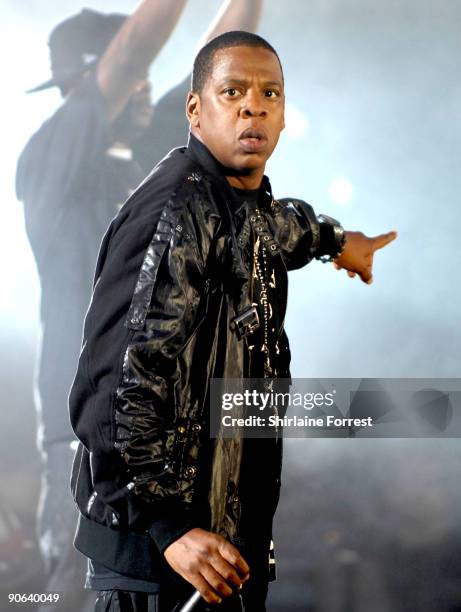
357	257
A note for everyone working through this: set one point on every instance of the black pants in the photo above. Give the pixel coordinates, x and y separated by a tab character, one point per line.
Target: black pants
128	601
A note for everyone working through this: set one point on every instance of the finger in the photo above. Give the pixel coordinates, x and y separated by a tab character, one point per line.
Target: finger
351	274
367	276
378	242
337	266
232	556
204	588
216	581
226	571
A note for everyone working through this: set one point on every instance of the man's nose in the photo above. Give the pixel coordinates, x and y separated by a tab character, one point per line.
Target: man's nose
254	105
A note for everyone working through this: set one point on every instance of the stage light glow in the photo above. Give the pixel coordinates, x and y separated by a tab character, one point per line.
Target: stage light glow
341	190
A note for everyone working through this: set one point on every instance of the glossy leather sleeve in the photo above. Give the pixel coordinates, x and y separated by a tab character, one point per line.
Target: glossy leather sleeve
296	230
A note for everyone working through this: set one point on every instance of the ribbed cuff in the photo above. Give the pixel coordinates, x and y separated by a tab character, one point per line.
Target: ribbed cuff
168	529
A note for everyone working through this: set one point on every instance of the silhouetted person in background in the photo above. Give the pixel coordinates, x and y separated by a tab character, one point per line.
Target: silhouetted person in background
73	176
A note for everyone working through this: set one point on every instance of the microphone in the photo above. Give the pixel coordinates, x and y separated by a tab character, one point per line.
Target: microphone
192	603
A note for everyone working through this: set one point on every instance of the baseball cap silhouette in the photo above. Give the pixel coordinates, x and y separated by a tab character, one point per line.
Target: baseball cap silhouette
77	43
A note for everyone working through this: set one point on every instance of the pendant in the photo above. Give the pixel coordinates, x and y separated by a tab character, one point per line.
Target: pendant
270	310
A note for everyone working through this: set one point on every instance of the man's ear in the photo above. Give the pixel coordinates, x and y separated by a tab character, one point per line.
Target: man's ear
193	109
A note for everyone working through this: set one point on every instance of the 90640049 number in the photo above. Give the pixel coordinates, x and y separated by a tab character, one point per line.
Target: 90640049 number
33	597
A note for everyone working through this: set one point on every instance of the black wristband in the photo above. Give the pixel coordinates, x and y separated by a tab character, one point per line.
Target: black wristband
332	238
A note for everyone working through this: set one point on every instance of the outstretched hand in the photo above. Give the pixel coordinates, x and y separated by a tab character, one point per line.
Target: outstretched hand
357	257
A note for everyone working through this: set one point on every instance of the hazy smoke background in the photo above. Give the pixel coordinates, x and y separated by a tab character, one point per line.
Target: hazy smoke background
372	138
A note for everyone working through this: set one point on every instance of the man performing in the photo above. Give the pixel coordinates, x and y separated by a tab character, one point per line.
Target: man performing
73	176
190	285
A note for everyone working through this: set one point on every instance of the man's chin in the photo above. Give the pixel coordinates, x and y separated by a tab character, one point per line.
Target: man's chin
143	120
251	162
243	168
129	128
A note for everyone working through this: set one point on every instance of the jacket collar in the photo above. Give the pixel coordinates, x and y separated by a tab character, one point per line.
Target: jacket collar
199	153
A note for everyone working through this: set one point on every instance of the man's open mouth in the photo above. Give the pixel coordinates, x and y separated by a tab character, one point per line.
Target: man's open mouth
252	140
252	133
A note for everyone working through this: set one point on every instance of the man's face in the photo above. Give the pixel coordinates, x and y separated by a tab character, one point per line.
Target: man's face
240	112
137	115
140	105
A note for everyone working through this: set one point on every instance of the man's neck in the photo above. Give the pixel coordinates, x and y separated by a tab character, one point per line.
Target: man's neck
251	179
246	181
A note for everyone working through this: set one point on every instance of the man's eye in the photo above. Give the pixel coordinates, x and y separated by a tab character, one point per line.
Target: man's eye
271	93
231	92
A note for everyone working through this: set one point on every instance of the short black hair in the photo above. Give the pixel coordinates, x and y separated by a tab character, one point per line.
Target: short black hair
203	62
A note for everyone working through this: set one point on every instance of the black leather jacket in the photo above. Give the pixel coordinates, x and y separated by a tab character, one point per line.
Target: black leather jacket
169	280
